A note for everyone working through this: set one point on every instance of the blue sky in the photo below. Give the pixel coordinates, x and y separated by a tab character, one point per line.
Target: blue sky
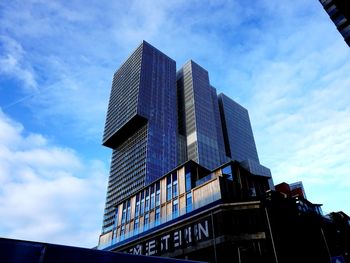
283	60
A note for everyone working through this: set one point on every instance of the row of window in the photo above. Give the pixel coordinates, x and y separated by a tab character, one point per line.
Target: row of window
150	199
148	212
125	80
151	222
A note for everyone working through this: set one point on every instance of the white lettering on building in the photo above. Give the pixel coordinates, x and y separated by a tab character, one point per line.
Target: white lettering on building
164	245
202	230
183	237
151	248
177	239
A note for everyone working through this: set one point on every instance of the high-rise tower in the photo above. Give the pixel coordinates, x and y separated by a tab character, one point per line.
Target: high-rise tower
141	124
239	139
157	119
201	118
238	133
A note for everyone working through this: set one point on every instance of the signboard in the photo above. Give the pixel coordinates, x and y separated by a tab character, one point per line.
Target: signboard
180	238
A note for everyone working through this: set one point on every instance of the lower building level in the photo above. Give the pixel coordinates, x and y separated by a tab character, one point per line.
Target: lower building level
229	214
252	231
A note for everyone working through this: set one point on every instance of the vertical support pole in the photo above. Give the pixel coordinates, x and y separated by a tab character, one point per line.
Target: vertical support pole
239	254
325	241
273	243
214	237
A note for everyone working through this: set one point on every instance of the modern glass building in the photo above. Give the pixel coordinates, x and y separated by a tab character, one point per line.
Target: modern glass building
185	178
200	122
158	119
141	124
238	133
176	196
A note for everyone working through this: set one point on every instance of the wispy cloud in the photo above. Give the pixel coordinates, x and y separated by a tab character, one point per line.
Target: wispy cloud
13	63
300	110
284	61
47	192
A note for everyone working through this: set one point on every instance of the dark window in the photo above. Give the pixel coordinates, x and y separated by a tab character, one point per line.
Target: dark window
175	208
136	225
157	216
175	185
227	172
157	194
188	180
116	218
188	202
128	211
147	201
146	221
152	197
122	230
142	206
137	206
168	187
124	213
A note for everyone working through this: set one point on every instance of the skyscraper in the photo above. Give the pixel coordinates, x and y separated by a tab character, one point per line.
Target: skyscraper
238	136
141	124
238	133
157	119
338	11
186	180
202	124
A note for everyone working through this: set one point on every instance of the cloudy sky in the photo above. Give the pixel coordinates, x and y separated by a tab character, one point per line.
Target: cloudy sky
283	60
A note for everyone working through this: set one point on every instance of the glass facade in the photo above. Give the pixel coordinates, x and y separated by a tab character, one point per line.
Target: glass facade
141	125
201	122
123	99
191	187
238	133
157	103
158	118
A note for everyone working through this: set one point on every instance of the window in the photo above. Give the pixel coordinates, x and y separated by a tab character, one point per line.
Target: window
147	201
116	218
124	213
137	206
122	230
146	221
174	185
157	216
188	181
152	197
175	208
142	208
128	209
157	194
188	202
168	183
252	191
136	225
227	172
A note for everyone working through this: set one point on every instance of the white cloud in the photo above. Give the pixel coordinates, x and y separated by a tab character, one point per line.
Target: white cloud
285	62
47	193
13	63
299	106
